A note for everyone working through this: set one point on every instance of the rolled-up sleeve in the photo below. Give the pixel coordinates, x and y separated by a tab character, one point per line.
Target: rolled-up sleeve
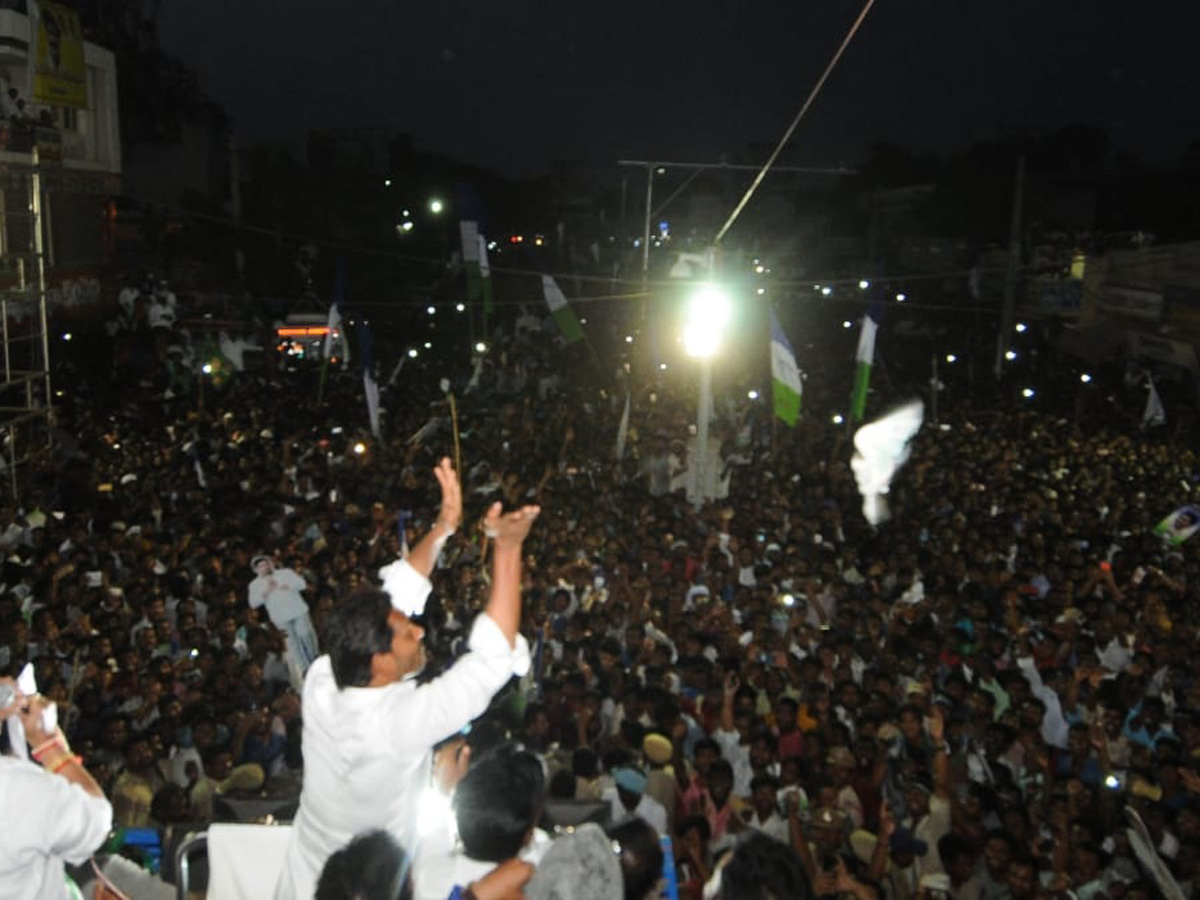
407	588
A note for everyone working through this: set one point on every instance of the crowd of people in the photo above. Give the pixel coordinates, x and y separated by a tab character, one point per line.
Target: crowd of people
988	696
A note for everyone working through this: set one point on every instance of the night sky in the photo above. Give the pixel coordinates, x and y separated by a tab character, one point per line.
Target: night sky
516	85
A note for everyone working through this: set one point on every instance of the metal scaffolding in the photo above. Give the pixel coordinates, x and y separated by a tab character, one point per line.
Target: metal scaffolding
26	398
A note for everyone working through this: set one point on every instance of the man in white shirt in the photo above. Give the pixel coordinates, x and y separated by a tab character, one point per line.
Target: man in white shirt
279	591
369	728
629	800
54	810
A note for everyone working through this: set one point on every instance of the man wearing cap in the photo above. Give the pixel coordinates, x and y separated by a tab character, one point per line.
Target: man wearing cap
660	780
629	800
279	591
369	727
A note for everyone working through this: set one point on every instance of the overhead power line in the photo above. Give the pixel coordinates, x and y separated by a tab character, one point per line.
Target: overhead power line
787	135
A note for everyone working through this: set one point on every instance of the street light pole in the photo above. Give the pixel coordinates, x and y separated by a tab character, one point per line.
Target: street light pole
702	492
933	391
708	313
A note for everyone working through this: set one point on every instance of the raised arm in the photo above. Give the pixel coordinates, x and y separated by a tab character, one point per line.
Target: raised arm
508	532
424	556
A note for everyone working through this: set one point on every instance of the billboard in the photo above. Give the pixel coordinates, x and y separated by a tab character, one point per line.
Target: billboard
59	73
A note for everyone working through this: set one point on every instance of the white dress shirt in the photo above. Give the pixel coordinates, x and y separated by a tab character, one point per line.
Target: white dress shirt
367	750
46	820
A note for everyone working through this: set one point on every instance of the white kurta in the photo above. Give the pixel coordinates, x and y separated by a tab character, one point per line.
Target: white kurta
367	751
648	808
47	820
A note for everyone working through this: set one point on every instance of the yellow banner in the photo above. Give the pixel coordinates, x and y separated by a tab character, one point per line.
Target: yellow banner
60	74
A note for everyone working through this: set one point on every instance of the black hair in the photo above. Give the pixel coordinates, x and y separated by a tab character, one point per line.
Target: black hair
705	743
721	766
641	856
562	785
697	822
584	762
951	846
763	868
765	781
371	867
497	803
355	630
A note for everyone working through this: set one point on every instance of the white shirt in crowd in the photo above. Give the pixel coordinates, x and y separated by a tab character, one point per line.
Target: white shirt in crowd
648	808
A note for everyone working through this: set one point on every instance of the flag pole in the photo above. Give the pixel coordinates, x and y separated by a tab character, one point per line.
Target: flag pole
457	445
321	380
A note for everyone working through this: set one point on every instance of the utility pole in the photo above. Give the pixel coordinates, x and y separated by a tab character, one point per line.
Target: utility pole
1004	338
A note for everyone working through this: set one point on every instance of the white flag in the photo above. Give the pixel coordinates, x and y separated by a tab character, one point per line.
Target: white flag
371	389
623	430
880	449
335	327
1154	414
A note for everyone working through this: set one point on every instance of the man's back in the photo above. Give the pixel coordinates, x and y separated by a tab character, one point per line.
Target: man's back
353	779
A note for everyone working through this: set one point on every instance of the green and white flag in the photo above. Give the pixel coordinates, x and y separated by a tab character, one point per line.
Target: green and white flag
469	231
785	376
485	279
568	324
862	373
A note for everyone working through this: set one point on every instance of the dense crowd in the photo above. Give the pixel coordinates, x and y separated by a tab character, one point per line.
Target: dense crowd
970	701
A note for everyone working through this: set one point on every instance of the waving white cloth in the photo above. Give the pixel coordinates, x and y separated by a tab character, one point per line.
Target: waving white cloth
881	448
27	685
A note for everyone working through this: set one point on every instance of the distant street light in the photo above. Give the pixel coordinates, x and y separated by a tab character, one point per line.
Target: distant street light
950	358
436	206
1085	378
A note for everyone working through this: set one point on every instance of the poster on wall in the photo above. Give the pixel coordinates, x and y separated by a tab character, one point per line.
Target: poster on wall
59	74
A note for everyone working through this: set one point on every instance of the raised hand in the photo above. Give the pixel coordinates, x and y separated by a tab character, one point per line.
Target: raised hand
451	512
509	528
936	725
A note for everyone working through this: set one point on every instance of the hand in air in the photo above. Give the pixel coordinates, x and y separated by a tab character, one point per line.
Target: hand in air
509	528
452	505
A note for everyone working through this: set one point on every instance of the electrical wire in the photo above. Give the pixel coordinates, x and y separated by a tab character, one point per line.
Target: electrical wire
787	135
894	281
